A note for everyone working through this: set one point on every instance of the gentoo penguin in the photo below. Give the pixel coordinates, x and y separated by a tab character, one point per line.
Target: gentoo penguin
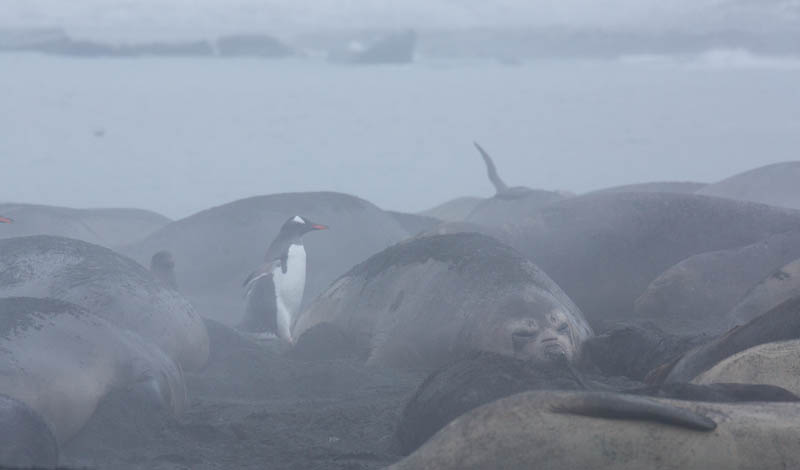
162	265
275	289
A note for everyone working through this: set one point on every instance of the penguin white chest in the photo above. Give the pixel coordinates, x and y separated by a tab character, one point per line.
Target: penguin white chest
289	285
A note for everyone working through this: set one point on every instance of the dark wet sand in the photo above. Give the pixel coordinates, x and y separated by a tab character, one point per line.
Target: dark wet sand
253	407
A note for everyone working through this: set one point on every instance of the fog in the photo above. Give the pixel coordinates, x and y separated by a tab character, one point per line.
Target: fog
121	17
337	234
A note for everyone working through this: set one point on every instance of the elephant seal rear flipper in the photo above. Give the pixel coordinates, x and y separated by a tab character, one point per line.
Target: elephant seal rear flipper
491	170
618	406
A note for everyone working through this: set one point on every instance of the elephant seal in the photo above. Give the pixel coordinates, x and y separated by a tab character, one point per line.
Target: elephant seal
775	288
600	430
454	210
782	323
108	285
604	249
509	204
698	293
429	300
770	363
482	378
681	187
774	184
216	247
61	360
162	265
26	440
107	227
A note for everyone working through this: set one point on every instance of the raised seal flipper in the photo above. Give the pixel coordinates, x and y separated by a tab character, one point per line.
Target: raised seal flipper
619	406
499	185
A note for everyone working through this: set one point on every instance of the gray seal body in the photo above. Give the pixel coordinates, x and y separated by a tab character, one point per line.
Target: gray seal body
426	301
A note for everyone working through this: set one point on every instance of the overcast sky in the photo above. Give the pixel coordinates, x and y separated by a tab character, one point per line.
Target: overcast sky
291	16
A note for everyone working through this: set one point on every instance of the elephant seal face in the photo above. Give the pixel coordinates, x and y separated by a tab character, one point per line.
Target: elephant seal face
535	326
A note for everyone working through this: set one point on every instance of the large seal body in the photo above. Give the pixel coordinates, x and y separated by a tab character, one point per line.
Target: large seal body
776	288
108	285
591	430
107	227
697	294
782	323
215	249
426	301
604	249
775	363
61	360
774	184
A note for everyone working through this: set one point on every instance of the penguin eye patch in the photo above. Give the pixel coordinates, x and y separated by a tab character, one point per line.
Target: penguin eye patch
299	219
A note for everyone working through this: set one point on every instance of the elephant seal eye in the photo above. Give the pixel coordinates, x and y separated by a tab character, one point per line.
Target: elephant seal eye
563	327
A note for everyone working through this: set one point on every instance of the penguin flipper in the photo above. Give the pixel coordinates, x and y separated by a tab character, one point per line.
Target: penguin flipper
263	270
261	314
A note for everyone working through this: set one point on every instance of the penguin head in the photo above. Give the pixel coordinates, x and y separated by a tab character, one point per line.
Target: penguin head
5	220
298	225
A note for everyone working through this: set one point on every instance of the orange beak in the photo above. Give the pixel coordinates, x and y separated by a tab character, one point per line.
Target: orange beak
5	220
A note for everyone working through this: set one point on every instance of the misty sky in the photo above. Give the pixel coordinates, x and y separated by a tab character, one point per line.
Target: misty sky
178	17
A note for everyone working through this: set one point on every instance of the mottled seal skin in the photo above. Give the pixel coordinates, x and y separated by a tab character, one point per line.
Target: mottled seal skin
593	430
427	301
774	184
61	360
775	363
108	285
107	227
217	248
700	291
26	440
604	249
782	323
482	378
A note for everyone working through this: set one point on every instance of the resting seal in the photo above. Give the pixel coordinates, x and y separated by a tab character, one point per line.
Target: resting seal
427	301
108	285
604	431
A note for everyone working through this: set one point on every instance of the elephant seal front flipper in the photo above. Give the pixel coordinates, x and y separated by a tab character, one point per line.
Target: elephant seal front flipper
618	406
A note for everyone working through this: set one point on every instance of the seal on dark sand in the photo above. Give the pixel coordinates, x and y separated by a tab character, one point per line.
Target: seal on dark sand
61	360
162	265
429	300
275	289
107	285
600	430
215	248
482	378
509	204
